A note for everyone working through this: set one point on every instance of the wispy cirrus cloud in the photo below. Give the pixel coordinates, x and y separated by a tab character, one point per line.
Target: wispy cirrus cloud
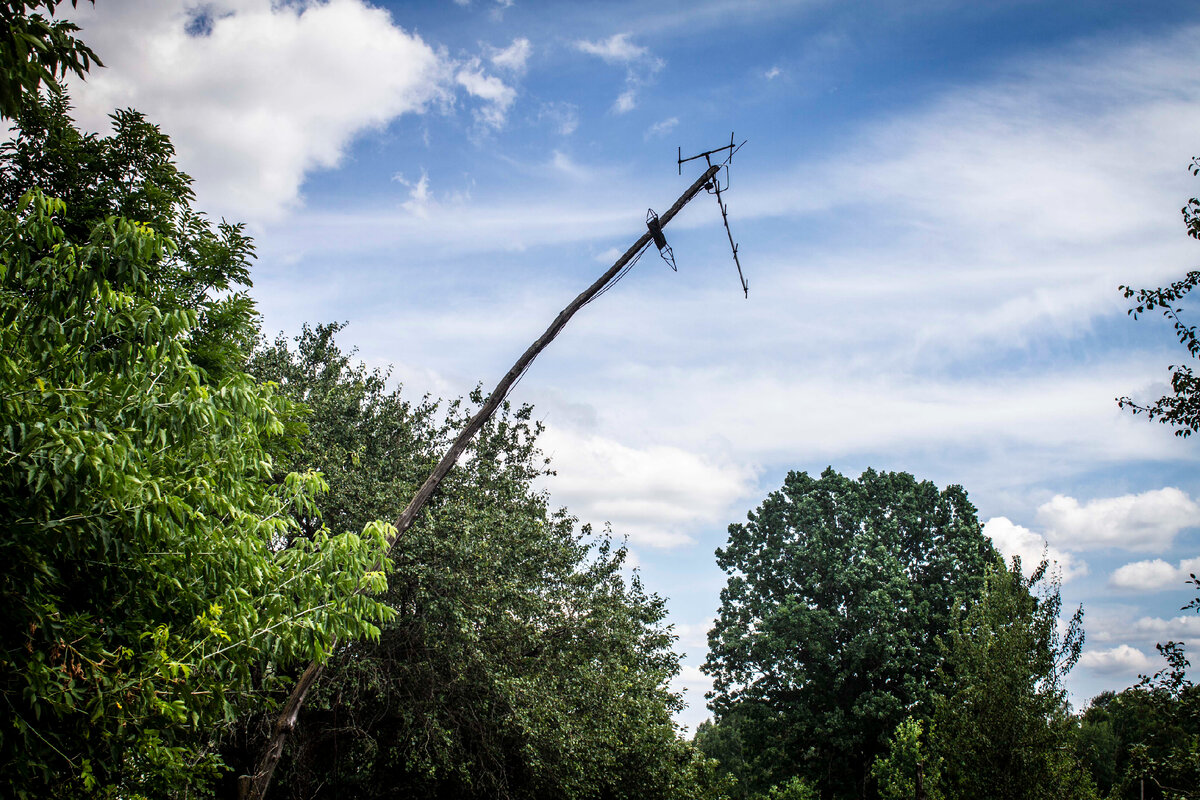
662	127
640	65
616	49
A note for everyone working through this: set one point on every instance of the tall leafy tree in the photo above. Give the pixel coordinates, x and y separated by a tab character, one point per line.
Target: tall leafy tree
146	592
827	635
1002	728
522	660
132	174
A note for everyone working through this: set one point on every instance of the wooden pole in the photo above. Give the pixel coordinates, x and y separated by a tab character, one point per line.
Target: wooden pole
255	785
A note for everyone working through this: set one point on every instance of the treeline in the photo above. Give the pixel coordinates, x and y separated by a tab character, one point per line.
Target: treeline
871	643
192	513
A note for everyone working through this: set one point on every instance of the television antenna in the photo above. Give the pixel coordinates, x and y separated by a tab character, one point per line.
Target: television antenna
713	187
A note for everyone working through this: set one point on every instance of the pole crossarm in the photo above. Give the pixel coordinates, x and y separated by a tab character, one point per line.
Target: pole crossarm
254	786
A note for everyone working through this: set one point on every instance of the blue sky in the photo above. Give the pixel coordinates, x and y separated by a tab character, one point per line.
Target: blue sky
936	205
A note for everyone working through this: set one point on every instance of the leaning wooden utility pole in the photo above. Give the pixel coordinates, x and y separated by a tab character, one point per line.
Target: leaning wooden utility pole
254	786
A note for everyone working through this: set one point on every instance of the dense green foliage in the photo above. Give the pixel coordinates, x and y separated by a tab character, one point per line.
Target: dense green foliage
1002	728
911	767
827	636
144	586
521	661
36	51
147	591
132	174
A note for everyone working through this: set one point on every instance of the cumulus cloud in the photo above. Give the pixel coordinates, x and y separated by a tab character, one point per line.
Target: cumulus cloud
772	73
255	94
1141	522
651	494
692	684
1014	540
1120	659
1153	576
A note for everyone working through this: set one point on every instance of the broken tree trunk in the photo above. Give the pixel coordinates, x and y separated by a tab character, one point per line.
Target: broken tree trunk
254	786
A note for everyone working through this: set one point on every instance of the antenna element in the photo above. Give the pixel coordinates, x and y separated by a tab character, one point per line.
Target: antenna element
713	187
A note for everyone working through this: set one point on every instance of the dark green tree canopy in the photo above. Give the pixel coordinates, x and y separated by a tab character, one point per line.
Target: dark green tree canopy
522	660
827	635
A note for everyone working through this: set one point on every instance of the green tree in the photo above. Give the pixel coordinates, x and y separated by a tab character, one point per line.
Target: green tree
145	595
827	635
1002	729
132	174
521	661
908	770
35	50
1102	729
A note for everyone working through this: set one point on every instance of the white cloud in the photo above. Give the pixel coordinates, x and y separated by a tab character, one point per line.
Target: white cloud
1014	540
1120	659
418	195
693	638
617	49
640	65
626	101
772	73
563	163
271	92
609	256
1142	522
1163	629
651	494
663	127
1153	576
498	97
514	57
